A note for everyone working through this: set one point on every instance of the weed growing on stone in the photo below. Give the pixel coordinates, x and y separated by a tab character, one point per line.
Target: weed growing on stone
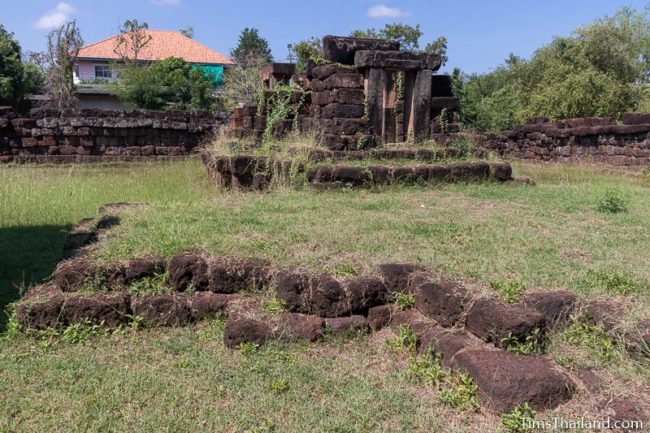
519	419
403	301
533	343
459	392
154	285
425	370
274	306
509	291
406	339
593	338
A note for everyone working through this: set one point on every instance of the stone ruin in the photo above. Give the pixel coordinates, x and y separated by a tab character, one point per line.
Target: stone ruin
367	94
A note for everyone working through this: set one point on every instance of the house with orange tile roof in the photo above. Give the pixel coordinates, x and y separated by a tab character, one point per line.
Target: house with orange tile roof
98	63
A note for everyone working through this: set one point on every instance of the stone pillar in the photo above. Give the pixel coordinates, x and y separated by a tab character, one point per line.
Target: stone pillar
408	122
375	85
390	98
420	105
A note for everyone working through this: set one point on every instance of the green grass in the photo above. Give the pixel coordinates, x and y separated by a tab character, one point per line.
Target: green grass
40	204
185	380
549	235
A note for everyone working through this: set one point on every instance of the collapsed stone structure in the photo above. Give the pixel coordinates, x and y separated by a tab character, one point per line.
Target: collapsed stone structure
102	135
367	94
587	139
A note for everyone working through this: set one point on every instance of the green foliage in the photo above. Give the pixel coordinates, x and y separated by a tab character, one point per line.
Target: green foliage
251	46
408	36
460	392
154	285
278	108
82	332
519	420
17	78
344	269
274	306
405	339
169	84
600	69
438	46
425	370
645	173
309	49
613	281
533	343
280	386
12	328
248	348
404	300
509	291
243	83
612	202
583	333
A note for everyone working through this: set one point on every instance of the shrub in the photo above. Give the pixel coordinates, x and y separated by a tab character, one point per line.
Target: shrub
168	84
612	202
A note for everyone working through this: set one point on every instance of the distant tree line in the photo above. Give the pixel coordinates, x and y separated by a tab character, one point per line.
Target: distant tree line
601	69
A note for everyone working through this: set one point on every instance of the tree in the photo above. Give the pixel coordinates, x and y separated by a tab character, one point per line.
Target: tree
439	47
251	46
601	69
133	38
17	78
168	84
243	83
407	36
308	50
58	61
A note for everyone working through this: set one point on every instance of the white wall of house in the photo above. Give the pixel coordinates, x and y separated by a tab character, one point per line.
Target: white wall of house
89	71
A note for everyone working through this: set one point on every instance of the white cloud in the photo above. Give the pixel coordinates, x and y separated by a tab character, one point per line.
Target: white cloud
383	11
166	2
55	17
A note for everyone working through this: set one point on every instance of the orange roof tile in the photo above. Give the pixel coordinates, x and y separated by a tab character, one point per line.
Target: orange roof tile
163	44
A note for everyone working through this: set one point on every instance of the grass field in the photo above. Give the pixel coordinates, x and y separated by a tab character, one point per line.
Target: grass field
551	235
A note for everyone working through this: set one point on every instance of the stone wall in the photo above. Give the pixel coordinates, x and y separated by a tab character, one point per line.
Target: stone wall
589	139
102	135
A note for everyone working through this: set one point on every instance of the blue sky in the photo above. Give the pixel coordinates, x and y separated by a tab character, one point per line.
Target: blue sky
481	33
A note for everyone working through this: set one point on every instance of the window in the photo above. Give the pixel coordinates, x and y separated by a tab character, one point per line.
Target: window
103	71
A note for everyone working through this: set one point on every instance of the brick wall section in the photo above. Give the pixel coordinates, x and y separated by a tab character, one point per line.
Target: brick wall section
103	135
589	139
